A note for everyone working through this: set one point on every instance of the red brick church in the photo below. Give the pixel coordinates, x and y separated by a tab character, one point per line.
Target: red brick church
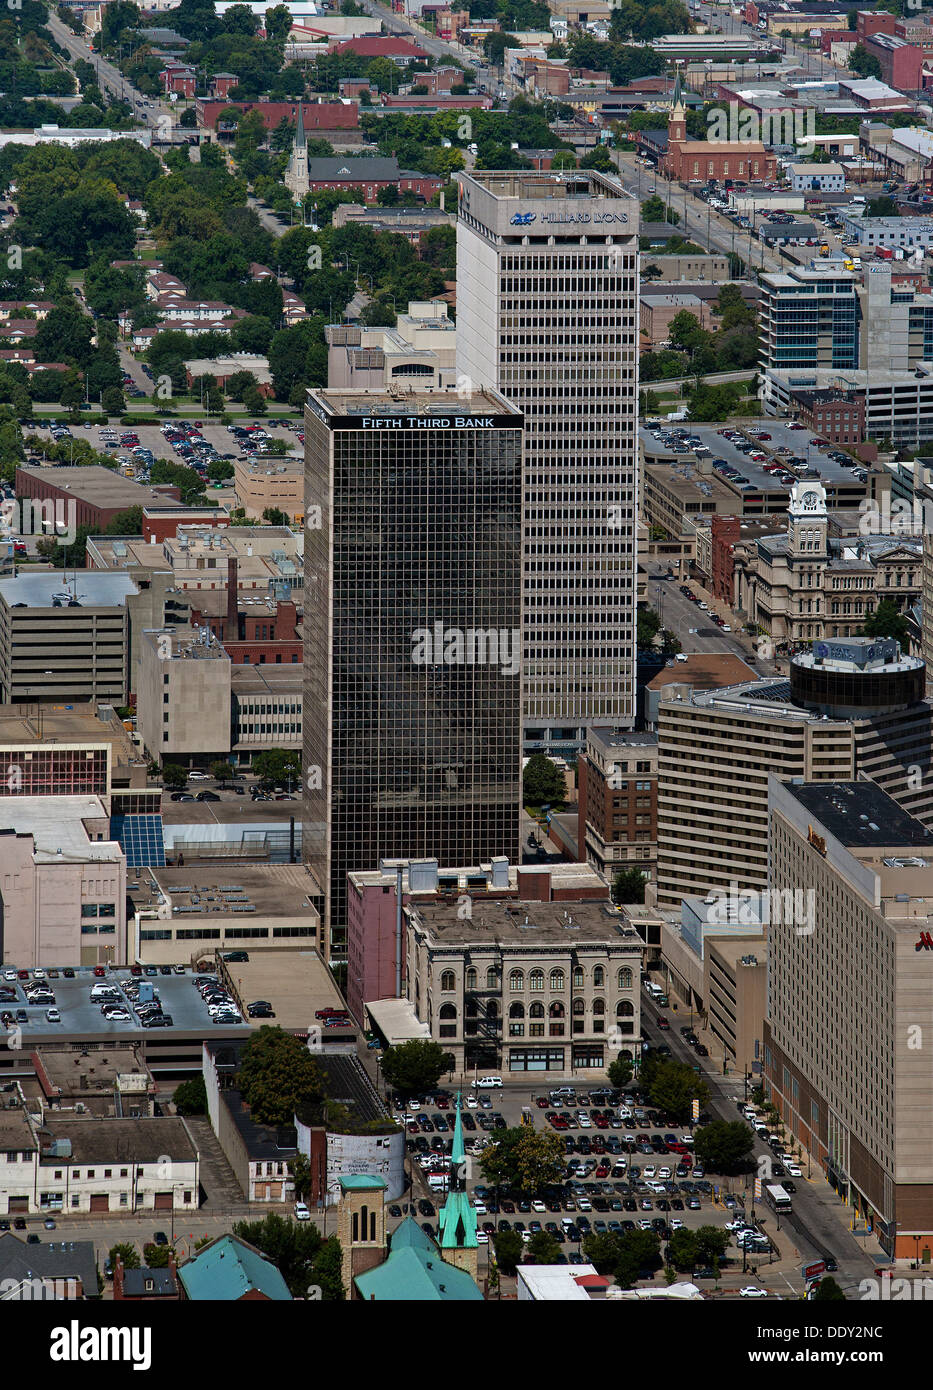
685	159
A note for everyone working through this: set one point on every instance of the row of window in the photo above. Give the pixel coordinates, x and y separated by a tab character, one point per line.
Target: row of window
556	979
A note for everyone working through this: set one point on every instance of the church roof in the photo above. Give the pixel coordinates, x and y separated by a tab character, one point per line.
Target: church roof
456	1221
414	1272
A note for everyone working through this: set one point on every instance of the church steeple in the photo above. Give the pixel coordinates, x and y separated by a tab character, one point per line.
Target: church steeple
456	1222
296	175
301	142
677	120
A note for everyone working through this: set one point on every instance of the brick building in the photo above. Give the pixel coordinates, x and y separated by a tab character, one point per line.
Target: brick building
711	159
367	176
617	780
318	116
836	415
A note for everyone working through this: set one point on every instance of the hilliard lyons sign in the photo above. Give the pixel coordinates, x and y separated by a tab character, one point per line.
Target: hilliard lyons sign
550	219
925	943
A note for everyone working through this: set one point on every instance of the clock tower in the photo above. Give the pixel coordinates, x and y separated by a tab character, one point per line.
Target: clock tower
807	522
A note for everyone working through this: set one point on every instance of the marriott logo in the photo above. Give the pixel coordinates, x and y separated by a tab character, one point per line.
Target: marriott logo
925	943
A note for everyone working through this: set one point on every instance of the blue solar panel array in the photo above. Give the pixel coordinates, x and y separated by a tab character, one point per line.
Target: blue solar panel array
141	840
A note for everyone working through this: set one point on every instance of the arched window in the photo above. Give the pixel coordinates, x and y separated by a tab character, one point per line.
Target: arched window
599	976
492	977
624	1009
557	979
599	1006
516	981
516	1011
536	1011
557	1009
469	979
579	1007
578	977
536	980
625	978
492	1009
448	980
447	1011
470	1008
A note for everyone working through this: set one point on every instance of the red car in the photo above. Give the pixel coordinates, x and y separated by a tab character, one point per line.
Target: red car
601	1122
662	1023
558	1123
443	1103
602	1171
136	970
321	1013
543	1102
22	974
99	971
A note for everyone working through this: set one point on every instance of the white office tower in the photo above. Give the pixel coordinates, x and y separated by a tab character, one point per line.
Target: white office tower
547	313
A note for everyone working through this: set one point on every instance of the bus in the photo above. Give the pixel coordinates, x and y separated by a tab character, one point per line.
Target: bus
778	1200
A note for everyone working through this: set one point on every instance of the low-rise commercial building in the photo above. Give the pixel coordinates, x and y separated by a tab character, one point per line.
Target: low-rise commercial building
617	780
421	350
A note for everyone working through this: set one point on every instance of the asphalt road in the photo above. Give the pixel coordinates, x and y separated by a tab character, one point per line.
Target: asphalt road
816	1221
693	627
110	78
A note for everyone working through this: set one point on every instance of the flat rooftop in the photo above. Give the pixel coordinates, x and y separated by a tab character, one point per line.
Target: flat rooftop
56	724
520	923
92	589
860	814
81	1016
704	671
98	486
295	983
56	824
134	1141
357	401
277	890
541	186
67	1073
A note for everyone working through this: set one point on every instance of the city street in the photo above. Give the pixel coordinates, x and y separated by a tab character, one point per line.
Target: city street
693	628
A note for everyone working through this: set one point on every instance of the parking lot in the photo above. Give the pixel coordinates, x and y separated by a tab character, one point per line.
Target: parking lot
626	1168
80	1014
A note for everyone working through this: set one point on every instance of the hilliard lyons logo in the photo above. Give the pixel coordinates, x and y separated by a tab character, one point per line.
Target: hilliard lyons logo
523	219
77	1343
925	943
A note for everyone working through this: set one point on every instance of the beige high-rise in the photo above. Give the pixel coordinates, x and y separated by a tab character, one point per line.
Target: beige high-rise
547	312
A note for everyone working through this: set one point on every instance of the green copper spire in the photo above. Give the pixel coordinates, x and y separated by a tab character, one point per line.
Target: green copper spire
456	1220
677	101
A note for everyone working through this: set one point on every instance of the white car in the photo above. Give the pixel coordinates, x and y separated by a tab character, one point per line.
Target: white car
198	777
480	1208
485	1082
584	1204
649	1172
38	974
9	974
680	656
538	1205
725	628
751	1291
482	1238
664	1173
676	1224
794	1170
301	1212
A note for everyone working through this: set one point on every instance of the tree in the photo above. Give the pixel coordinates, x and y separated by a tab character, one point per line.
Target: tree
828	1291
277	1076
190	1097
542	1249
278	767
640	1254
628	886
495	44
674	1086
509	1248
598	158
620	1071
603	1251
712	1243
543	782
525	1159
863	63
128	523
300	1169
882	206
127	1253
174	776
302	1255
416	1066
275	516
221	771
113	400
887	621
157	1256
654	209
723	1146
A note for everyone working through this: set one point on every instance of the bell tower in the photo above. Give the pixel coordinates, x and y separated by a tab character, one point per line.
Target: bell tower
677	120
807	522
361	1226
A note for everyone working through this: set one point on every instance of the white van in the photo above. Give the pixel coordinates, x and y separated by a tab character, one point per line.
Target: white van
437	1182
488	1082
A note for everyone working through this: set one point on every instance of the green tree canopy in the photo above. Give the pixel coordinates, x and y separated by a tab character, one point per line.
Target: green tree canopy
723	1146
887	621
277	1076
525	1159
190	1097
509	1248
414	1067
543	782
304	1258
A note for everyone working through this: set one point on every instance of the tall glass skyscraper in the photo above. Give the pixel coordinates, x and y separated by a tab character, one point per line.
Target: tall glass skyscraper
547	313
412	623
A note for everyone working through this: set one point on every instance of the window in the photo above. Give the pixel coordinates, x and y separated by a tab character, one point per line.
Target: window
536	980
516	981
557	1009
577	977
448	981
469	978
447	1011
517	1011
536	1011
492	978
625	1009
599	1006
625	978
557	980
579	1007
598	976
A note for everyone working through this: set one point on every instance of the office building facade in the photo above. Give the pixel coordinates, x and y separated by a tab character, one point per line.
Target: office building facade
809	318
850	709
412	714
844	1059
547	313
